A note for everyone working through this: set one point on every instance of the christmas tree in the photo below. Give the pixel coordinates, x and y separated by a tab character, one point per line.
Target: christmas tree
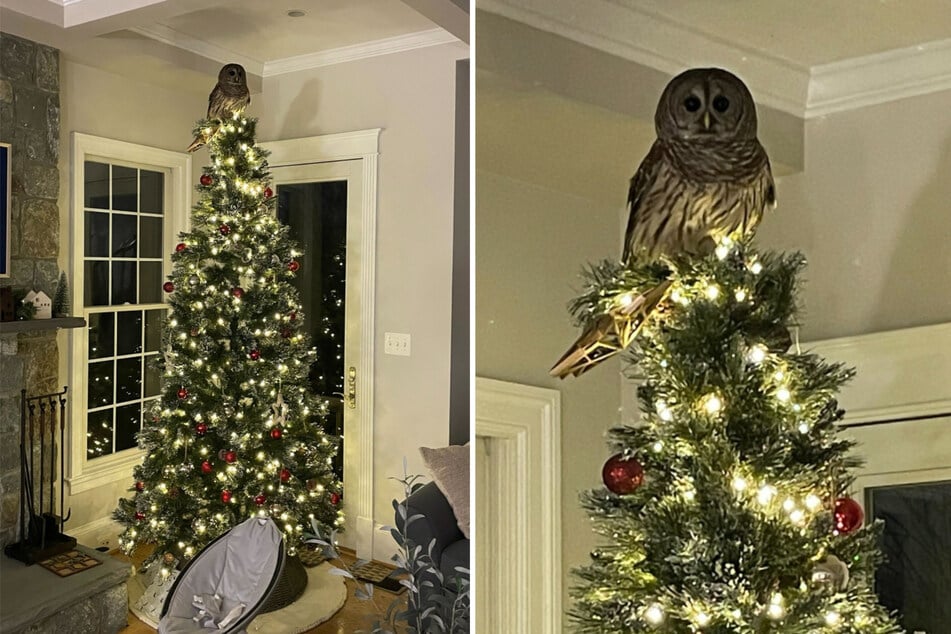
727	509
237	431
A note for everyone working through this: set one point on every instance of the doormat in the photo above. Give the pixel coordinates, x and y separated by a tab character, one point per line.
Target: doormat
69	563
379	575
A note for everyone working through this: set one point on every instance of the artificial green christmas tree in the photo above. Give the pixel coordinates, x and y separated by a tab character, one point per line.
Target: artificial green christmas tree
726	510
236	432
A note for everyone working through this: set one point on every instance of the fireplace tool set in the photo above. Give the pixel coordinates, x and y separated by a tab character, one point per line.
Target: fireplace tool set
41	530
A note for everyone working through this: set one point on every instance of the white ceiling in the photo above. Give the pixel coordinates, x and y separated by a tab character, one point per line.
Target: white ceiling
804	57
156	36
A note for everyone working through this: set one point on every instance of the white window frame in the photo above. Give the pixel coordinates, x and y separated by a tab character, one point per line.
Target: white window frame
81	473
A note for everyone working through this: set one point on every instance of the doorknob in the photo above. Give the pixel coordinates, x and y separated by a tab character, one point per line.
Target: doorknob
351	397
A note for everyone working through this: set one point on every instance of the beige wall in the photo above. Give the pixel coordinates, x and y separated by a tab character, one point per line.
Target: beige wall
530	244
871	213
411	96
100	103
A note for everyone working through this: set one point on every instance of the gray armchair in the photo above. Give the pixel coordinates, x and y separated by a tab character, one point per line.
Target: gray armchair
439	522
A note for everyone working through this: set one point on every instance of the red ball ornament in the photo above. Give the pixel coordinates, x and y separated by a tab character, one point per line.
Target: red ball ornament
206	180
276	433
182	393
226	496
255	355
201	429
848	515
260	499
335	498
622	475
168	287
293	265
206	467
237	291
292	315
268	192
230	456
224	229
286	333
140	486
285	475
139	515
180	247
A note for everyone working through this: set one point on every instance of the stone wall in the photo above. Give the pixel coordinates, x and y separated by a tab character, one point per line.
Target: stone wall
29	121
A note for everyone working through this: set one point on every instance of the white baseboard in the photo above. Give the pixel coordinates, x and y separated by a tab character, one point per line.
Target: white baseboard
101	532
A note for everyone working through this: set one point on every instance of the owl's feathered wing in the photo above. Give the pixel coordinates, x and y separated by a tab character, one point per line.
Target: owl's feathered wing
680	200
223	101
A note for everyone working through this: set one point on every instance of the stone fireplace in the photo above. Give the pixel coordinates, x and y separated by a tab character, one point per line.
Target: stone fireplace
29	121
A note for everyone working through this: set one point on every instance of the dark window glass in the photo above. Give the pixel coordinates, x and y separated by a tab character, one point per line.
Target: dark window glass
123	282
150	282
128	424
96	283
96	185
128	379
916	575
153	376
129	339
99	433
124	236
124	188
100	335
99	384
154	320
151	198
96	237
150	237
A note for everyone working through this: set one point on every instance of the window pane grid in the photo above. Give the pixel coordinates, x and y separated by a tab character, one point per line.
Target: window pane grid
120	272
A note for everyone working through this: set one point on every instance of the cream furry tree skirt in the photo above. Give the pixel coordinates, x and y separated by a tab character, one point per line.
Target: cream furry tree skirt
324	596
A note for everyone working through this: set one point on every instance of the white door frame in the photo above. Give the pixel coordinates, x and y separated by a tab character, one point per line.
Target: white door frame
523	478
358	437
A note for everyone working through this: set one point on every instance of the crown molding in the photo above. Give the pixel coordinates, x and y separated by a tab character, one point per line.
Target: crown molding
658	42
398	44
170	36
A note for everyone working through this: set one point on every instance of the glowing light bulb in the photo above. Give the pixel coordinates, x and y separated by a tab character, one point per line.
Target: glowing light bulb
712	403
739	484
654	615
658	446
722	251
813	502
797	516
757	354
765	494
702	619
712	292
625	300
783	394
832	618
756	268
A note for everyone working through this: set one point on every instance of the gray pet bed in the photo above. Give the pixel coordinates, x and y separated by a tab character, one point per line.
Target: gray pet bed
225	586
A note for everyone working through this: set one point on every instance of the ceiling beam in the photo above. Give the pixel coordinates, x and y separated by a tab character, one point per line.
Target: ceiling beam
452	15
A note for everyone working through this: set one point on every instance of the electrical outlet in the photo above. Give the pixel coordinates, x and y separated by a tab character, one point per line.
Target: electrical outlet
397	343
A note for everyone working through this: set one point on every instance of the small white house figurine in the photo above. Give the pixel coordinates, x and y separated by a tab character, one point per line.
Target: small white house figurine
43	303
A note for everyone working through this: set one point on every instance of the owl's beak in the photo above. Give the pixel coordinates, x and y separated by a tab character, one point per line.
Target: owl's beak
706	120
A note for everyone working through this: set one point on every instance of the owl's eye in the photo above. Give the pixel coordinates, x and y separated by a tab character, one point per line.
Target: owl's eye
721	103
692	103
232	72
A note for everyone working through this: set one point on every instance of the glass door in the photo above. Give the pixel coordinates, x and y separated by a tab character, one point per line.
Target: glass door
321	203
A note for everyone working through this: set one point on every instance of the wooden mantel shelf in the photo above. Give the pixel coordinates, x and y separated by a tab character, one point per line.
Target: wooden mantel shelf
36	325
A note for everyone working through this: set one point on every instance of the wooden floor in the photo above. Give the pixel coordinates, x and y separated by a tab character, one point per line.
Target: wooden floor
353	616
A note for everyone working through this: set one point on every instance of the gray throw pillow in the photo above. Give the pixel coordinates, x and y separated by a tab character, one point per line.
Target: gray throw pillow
449	467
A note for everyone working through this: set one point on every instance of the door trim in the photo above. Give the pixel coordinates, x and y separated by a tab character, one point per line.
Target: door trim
524	580
363	145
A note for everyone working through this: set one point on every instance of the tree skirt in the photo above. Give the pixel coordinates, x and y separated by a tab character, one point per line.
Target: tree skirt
324	596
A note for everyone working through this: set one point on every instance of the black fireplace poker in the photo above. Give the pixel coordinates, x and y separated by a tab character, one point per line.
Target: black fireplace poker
41	530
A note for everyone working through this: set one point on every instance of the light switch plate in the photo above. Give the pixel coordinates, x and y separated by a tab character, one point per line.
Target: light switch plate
397	343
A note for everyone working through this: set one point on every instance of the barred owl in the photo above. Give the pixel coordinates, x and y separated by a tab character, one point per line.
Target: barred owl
706	176
230	95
